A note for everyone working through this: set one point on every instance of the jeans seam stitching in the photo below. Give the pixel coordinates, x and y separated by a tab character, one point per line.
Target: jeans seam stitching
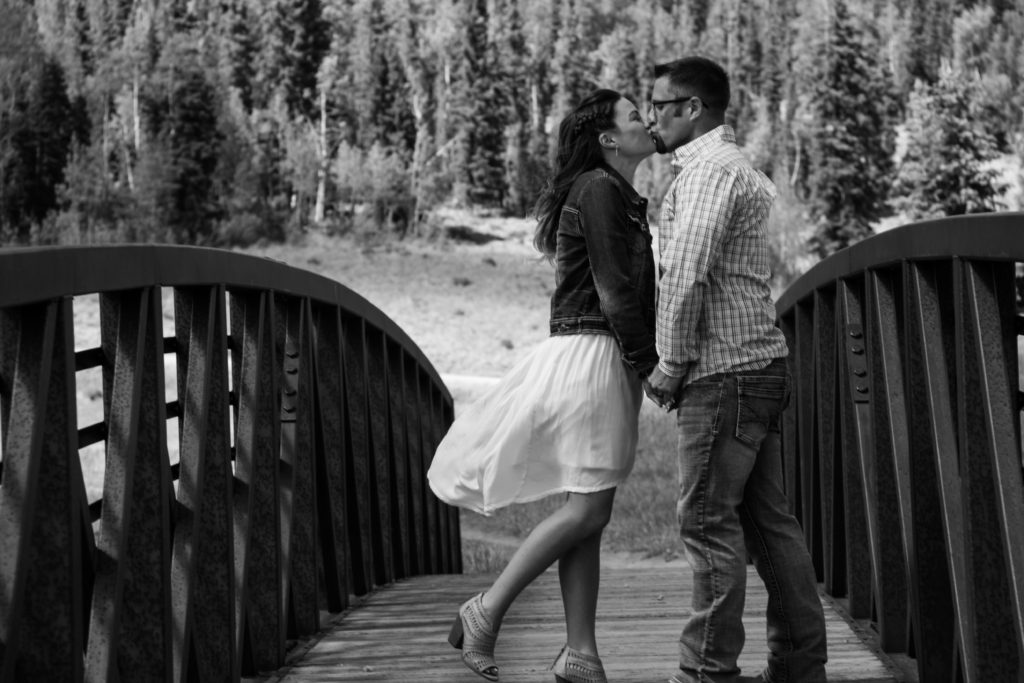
775	586
715	592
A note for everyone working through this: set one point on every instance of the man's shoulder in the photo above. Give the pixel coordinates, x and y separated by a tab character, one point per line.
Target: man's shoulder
731	160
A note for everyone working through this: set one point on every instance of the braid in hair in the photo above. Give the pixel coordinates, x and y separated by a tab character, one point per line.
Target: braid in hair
578	152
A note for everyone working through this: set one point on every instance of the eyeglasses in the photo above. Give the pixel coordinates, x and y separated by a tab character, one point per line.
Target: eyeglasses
656	105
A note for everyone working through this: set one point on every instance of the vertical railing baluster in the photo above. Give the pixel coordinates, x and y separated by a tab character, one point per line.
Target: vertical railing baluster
932	445
788	427
826	495
856	436
41	619
992	485
447	416
802	480
418	489
359	477
889	489
444	512
202	566
260	632
430	501
376	363
298	462
130	627
400	521
332	458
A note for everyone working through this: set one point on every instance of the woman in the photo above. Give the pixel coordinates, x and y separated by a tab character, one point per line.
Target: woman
565	418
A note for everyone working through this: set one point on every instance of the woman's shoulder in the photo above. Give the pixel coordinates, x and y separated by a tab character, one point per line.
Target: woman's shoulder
597	182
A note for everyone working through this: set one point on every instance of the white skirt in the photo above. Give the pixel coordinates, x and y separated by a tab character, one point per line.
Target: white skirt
564	419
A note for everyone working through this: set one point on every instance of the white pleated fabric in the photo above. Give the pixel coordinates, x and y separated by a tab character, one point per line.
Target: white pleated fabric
564	419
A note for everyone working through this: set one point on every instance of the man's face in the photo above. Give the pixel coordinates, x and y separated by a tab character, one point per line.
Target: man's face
670	115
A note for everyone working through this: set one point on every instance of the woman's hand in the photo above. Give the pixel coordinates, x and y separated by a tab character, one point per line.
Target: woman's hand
662	389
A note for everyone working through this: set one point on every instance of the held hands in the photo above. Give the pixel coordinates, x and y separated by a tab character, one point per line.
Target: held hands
662	389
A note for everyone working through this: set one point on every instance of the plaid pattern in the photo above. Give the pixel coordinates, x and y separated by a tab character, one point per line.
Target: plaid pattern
715	310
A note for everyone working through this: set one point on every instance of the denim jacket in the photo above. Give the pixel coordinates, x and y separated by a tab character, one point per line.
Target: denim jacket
604	267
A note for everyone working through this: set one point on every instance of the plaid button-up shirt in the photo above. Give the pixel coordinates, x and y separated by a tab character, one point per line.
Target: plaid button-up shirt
715	309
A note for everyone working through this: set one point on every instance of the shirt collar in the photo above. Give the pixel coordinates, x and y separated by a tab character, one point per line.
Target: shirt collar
695	148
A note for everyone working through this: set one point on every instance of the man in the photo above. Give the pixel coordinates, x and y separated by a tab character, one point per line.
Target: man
723	366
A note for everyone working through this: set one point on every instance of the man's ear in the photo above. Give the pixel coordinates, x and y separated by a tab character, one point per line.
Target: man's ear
696	109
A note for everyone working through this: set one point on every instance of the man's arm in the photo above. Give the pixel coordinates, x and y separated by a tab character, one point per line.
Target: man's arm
704	204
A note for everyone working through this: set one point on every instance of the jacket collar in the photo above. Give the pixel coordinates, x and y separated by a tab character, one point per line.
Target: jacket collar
631	194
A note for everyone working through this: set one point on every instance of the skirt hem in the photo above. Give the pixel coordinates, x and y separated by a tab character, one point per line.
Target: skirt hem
489	510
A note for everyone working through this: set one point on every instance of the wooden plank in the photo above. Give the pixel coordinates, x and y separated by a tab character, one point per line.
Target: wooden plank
398	633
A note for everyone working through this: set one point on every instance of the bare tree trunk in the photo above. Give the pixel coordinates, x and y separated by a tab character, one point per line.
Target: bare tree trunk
319	208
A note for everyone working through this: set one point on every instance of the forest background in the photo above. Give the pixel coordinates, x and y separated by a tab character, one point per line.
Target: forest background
240	121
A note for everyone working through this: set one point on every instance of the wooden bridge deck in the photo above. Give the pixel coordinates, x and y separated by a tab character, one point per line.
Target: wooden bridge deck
399	633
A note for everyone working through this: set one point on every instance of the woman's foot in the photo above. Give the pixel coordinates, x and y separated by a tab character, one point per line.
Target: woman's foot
573	666
474	634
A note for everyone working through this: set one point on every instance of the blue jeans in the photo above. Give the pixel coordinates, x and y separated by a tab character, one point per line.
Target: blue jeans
731	504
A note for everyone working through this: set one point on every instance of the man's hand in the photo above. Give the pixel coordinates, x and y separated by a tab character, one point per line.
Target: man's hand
662	389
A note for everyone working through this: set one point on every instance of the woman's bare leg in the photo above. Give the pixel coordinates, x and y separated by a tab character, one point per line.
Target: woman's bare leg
583	516
579	572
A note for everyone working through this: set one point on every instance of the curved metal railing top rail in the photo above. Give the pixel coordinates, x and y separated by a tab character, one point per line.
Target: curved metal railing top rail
305	422
902	444
33	274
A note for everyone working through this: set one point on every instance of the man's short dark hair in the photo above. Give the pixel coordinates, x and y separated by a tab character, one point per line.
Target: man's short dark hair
705	77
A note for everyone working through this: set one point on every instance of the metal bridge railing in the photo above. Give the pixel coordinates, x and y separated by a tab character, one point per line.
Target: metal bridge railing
902	441
305	423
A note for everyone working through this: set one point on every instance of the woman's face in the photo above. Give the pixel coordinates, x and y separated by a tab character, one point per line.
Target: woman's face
632	135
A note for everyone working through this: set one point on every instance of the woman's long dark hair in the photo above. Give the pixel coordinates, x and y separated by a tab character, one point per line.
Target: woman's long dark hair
578	152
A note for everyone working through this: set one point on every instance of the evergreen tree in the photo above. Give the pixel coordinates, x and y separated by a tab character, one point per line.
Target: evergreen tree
181	108
479	113
380	93
929	32
239	44
46	152
985	46
296	40
510	46
851	139
36	125
943	172
38	134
